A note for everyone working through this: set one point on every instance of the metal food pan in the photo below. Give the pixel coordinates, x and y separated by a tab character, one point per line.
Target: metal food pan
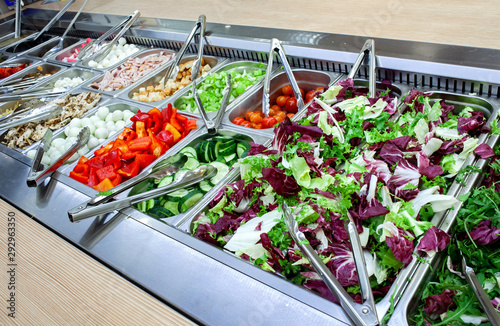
226	131
9	40
109	103
142	54
43	68
73	72
396	90
64	53
306	79
85	63
238	66
40	50
406	308
153	80
22	47
12	62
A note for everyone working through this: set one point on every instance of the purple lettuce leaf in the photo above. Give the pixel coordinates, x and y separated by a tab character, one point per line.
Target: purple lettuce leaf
313	131
203	233
405	173
281	136
439	303
379	168
425	168
484	151
320	287
401	142
496	303
342	265
434	240
226	223
260	149
390	153
452	146
412	97
445	108
401	245
471	125
276	254
306	139
485	233
309	157
283	184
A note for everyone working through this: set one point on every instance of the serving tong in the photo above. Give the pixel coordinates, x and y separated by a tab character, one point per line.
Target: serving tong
361	314
367	49
277	47
482	297
98	51
17	84
195	176
173	69
35	37
59	45
35	93
31	115
37	174
213	124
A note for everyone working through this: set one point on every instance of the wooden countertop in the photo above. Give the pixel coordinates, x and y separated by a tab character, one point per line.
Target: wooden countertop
450	22
54	283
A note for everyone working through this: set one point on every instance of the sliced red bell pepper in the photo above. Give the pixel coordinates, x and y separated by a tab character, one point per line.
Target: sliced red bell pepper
127	134
182	119
96	162
79	177
121	145
166	113
104	185
157	148
104	149
190	124
82	160
93	180
176	124
175	132
130	154
157	124
116	180
174	113
113	158
107	172
140	144
140	129
154	112
166	137
81	168
144	160
129	170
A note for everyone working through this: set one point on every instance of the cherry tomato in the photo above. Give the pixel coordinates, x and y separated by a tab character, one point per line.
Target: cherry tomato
247	124
281	100
290	115
268	122
255	118
310	95
287	90
247	115
257	126
280	116
291	105
238	120
262	115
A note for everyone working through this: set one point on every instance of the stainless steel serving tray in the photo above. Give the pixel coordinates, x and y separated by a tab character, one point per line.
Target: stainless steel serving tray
306	79
85	63
64	53
72	72
20	48
15	61
237	66
40	50
153	80
142	54
407	305
43	68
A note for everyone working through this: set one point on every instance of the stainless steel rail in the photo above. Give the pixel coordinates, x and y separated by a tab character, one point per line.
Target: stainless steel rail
166	261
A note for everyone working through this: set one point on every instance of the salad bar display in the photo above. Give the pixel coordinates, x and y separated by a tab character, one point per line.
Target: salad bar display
198	210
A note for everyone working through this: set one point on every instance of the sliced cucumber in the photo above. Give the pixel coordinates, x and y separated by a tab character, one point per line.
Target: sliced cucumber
166	181
230	157
222	170
221	139
172	206
189	151
160	212
180	173
191	164
179	193
190	200
242	149
205	185
228	150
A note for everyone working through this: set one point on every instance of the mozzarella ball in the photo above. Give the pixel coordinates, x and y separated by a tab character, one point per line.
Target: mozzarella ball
95	118
76	122
67	130
117	115
109	118
92	128
102	112
100	124
122	41
55	155
31	154
46	160
86	121
93	142
74	157
82	151
119	125
101	133
58	142
74	132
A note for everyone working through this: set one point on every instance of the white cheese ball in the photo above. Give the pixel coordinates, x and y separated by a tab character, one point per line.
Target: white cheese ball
56	143
103	112
122	41
46	160
82	151
74	132
74	157
119	125
55	155
92	128
102	140
102	133
100	124
92	64
95	118
76	122
67	130
117	115
86	121
93	142
31	154
109	118
111	127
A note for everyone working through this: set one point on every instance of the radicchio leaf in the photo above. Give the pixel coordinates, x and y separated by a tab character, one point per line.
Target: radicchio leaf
425	168
485	233
434	240
471	125
281	136
283	184
276	253
203	233
405	173
390	153
496	304
260	149
320	287
401	246
440	303
342	265
484	151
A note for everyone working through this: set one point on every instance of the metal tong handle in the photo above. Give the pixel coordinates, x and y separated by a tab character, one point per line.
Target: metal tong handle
173	68
29	95
42	115
368	47
213	124
100	55
53	21
276	46
190	178
360	314
35	177
73	21
481	295
83	54
17	27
